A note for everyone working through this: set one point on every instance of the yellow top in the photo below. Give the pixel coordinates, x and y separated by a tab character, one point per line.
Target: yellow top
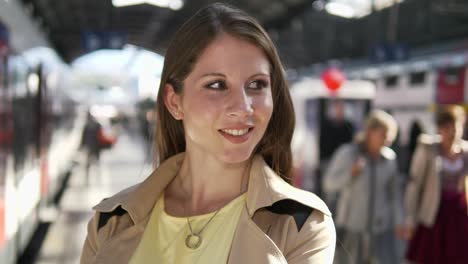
164	238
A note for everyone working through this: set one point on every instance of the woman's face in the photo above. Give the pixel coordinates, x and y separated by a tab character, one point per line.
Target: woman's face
376	139
227	100
451	132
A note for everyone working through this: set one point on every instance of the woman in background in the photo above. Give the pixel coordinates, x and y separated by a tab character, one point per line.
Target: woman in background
436	197
369	208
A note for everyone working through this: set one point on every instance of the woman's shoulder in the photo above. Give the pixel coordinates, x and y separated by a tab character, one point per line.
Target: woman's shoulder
300	202
110	203
311	228
275	192
464	145
428	140
312	219
346	150
139	199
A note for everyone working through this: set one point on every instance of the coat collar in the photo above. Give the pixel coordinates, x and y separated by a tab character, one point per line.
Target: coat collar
265	188
435	140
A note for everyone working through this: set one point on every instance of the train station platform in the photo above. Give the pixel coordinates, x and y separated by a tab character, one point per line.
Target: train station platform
125	164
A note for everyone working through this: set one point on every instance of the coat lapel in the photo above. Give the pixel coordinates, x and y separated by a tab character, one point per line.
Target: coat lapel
120	248
266	188
252	245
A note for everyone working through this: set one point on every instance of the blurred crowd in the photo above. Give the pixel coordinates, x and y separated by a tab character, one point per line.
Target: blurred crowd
383	216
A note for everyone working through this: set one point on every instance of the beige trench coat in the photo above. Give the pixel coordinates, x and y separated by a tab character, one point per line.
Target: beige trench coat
423	193
270	229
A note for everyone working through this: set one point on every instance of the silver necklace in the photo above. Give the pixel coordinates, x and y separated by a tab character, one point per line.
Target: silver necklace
195	239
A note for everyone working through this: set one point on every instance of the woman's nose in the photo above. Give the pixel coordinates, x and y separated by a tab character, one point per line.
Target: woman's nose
239	103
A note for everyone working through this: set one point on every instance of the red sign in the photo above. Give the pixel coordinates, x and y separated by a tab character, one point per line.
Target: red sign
451	86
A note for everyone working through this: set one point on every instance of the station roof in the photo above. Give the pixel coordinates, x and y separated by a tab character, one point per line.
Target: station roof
304	31
144	25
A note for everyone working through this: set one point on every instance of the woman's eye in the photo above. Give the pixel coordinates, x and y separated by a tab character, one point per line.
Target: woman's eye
258	84
216	85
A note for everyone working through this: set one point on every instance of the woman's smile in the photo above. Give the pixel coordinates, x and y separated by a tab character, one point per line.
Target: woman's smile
237	136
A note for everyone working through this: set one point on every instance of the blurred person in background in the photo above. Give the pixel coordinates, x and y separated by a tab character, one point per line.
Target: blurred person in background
370	207
415	132
220	193
436	198
90	144
335	131
146	118
93	141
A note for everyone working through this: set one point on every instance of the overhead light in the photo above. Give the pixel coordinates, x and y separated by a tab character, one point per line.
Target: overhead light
120	3
176	4
340	9
33	83
172	4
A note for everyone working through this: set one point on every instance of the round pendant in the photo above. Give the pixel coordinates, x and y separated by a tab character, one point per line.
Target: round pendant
193	241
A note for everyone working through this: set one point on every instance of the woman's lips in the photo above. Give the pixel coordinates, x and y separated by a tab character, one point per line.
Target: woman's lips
236	138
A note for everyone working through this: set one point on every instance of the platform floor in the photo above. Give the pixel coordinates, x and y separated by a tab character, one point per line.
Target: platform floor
125	164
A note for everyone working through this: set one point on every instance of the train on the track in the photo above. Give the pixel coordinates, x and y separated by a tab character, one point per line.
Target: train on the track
40	129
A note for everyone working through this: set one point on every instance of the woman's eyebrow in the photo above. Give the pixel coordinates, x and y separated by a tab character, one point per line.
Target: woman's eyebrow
261	74
218	74
213	74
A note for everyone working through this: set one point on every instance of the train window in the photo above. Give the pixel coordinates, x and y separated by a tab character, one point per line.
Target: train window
453	75
417	78
391	81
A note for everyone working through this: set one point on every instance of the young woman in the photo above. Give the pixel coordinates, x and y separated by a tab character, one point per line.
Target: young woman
436	197
370	207
221	191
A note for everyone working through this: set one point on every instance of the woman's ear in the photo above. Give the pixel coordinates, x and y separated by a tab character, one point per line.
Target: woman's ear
173	102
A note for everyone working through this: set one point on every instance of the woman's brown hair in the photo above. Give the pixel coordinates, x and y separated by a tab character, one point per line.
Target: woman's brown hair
183	52
449	114
378	119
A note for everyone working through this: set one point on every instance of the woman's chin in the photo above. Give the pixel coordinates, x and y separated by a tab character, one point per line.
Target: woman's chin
234	157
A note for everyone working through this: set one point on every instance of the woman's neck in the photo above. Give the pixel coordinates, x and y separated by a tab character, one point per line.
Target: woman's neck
205	184
450	150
